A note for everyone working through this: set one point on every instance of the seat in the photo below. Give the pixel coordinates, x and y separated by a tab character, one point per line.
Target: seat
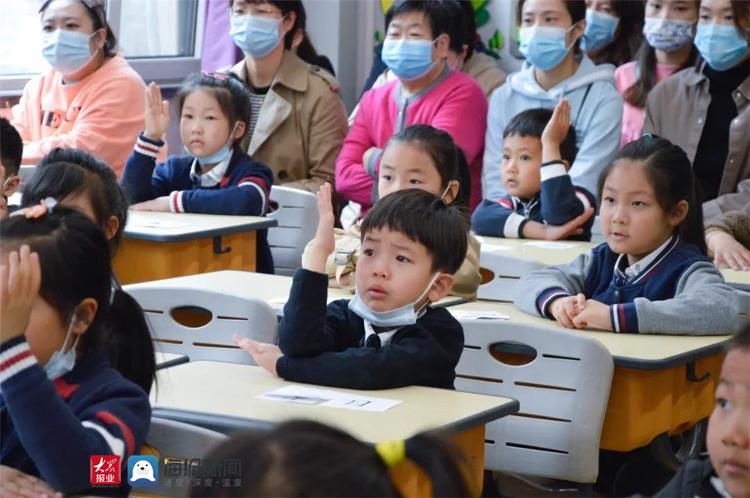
562	381
184	446
200	324
297	217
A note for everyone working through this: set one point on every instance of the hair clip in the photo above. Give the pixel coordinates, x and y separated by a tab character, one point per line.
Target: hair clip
45	206
647	135
391	452
217	76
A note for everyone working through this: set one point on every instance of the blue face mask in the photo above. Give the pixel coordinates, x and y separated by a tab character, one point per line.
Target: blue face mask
66	51
408	59
720	45
399	317
223	154
600	30
544	46
255	35
61	361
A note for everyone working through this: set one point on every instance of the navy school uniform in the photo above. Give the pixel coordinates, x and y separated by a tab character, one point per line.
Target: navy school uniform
327	345
558	202
240	186
51	429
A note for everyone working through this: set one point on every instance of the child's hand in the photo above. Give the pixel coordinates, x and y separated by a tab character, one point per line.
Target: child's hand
573	227
265	355
14	483
19	286
557	129
160	204
565	309
156	114
727	251
594	315
323	244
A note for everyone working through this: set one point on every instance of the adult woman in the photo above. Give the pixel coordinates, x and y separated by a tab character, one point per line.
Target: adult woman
613	30
705	109
91	98
298	121
555	68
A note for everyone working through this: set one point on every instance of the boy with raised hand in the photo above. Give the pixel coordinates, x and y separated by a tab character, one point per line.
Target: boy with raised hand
388	335
539	147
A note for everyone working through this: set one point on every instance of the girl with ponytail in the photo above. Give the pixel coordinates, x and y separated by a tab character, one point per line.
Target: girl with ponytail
76	360
304	458
652	274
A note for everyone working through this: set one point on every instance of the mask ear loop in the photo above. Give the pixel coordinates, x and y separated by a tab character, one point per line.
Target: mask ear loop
68	333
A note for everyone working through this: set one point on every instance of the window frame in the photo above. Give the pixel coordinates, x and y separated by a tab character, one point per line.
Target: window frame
167	72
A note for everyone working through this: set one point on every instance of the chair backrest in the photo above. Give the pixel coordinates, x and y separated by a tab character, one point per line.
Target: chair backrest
297	217
563	393
200	324
179	442
500	274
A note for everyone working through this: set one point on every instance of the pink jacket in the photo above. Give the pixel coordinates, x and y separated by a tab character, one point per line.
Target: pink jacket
101	114
454	104
633	117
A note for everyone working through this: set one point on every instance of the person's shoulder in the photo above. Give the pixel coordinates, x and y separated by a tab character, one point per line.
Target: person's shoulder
625	75
440	319
465	83
118	70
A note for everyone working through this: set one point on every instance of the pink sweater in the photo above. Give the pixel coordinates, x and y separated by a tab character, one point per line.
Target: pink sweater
102	114
632	117
456	105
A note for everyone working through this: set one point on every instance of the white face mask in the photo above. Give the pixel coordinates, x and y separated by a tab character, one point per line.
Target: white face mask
399	317
61	361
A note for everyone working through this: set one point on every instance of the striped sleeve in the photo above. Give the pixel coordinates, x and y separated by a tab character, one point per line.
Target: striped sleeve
624	318
259	184
15	358
147	146
546	298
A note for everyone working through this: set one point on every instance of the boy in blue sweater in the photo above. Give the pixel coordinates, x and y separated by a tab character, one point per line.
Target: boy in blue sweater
539	146
216	177
387	336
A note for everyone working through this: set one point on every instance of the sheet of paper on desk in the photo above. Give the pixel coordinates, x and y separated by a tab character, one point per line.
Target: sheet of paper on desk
160	224
544	244
333	399
491	248
477	315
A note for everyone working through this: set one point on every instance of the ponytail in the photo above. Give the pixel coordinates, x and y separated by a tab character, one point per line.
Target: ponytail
437	459
129	344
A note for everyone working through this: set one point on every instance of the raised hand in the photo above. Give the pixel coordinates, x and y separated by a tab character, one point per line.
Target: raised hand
20	279
324	243
156	114
555	132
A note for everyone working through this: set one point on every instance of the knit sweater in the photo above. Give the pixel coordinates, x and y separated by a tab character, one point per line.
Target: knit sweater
558	202
453	103
325	345
679	292
735	223
51	429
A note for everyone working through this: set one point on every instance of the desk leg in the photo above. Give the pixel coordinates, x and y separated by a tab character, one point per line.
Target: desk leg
143	261
413	483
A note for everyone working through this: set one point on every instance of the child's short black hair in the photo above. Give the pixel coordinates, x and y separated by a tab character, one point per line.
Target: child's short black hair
531	123
437	13
11	148
424	218
740	340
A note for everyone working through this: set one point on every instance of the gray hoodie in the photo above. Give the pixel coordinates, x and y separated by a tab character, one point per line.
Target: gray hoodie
596	115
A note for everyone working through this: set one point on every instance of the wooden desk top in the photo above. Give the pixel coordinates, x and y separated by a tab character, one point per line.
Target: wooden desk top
273	289
166	360
736	278
641	351
177	227
554	253
223	395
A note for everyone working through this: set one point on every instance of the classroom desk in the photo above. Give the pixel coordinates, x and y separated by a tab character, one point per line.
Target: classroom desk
222	396
163	245
503	261
166	360
661	384
739	279
273	289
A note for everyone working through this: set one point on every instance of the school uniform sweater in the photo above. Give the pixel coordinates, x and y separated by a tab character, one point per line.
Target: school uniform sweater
326	344
453	103
100	114
51	429
557	202
679	291
239	187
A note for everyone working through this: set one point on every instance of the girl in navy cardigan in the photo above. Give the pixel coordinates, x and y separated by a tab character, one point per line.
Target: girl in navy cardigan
216	177
76	358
